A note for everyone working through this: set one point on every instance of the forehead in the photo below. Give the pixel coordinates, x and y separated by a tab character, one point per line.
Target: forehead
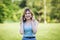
27	12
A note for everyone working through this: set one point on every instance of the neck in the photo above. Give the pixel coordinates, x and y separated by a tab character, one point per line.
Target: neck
28	20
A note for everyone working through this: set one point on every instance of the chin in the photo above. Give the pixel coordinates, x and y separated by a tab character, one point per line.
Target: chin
28	18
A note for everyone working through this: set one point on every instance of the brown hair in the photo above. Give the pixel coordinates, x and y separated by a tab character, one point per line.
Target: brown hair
23	17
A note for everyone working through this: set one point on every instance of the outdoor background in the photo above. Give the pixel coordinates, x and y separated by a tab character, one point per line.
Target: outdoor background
46	12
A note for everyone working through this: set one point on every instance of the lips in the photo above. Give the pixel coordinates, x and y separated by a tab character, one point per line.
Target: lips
27	16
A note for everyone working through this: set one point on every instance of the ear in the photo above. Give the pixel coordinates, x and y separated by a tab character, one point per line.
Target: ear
24	19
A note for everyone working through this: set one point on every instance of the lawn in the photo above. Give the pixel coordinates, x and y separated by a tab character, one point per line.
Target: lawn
10	31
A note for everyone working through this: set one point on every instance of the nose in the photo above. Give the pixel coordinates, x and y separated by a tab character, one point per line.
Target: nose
27	14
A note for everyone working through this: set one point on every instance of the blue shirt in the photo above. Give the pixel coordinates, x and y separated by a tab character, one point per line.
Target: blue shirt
28	31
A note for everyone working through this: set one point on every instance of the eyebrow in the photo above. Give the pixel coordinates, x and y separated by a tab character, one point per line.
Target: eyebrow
27	13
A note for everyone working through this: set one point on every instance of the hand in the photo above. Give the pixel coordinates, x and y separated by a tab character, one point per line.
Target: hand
33	19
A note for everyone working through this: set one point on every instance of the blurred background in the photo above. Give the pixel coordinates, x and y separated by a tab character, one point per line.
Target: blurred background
46	12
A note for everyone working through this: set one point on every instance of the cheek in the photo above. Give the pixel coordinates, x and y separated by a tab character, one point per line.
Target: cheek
30	15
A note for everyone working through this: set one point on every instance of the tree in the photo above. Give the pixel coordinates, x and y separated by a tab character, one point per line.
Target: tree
55	13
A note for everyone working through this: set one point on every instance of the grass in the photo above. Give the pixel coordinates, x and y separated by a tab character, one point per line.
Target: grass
10	31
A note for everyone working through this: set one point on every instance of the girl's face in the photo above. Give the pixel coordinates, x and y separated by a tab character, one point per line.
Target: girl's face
28	15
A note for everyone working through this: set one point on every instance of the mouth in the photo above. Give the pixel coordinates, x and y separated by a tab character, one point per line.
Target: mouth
27	16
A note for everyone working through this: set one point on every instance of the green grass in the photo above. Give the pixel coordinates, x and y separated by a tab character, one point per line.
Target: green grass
10	31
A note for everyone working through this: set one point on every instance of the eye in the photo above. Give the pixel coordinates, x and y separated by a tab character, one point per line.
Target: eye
29	13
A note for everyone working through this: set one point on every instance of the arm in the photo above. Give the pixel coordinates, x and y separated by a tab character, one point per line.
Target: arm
34	26
21	27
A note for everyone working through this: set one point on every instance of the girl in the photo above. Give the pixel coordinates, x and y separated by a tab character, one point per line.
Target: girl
28	25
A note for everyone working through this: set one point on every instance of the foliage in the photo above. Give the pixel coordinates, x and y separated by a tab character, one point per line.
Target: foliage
55	12
12	11
7	10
